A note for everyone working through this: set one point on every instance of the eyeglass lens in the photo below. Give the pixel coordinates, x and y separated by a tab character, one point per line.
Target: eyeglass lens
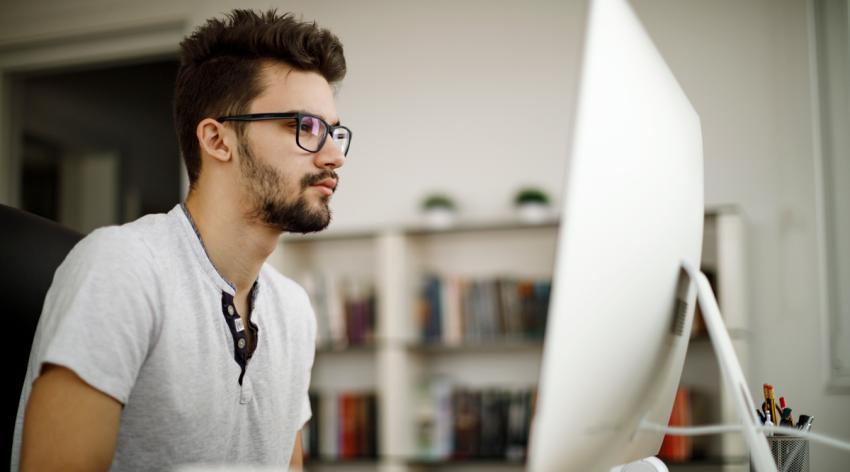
312	132
342	138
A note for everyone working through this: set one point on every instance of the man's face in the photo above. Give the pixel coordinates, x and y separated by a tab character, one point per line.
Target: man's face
281	181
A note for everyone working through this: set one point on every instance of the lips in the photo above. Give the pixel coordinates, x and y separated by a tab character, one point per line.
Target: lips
326	186
329	183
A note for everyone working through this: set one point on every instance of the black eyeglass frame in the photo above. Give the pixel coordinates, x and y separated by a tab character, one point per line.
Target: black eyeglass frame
329	129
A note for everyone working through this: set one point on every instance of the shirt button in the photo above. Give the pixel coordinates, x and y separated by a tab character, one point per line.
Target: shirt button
241	343
230	309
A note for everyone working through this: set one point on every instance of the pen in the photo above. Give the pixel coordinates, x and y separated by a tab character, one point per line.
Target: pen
765	406
770	398
786	418
805	422
786	412
767	422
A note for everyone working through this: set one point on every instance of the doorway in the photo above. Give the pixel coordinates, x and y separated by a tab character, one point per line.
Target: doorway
97	145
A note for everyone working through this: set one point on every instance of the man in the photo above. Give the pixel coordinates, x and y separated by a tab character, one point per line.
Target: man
168	340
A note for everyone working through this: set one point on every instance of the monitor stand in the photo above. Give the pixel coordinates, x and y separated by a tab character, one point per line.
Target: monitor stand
730	369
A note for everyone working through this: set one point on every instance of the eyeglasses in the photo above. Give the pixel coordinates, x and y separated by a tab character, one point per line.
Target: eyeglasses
312	131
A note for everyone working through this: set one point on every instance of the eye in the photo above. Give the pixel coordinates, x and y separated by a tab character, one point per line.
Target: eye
312	125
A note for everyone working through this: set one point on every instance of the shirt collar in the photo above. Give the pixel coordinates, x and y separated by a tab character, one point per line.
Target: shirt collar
202	256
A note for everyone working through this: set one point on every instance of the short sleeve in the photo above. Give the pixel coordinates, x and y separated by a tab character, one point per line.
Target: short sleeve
98	315
306	412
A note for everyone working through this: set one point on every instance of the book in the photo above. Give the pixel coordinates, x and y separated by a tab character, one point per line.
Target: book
344	426
371	432
493	424
347	426
467	424
453	310
328	426
519	408
452	323
310	432
678	448
345	309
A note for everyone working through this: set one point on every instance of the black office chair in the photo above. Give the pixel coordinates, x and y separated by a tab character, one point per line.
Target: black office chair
31	248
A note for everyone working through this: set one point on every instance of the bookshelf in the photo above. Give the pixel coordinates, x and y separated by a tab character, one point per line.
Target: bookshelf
395	363
724	258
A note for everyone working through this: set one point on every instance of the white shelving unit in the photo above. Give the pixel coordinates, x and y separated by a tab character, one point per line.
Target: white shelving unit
724	254
396	363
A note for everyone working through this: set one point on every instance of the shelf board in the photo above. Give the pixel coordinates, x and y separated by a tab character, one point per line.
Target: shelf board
416	229
471	226
493	463
323	461
483	346
479	346
489	463
480	462
357	348
708	462
507	345
734	335
329	235
717	210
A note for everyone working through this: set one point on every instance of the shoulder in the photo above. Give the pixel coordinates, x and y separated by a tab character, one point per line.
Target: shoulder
109	245
118	250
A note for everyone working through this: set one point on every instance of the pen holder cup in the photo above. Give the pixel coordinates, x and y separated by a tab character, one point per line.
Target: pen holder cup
790	454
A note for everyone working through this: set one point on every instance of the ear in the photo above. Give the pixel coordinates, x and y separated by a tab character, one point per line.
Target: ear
215	139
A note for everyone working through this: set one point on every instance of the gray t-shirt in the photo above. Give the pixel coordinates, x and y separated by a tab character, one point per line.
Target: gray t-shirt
140	313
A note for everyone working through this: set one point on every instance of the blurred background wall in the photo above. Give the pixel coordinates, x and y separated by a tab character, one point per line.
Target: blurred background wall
440	95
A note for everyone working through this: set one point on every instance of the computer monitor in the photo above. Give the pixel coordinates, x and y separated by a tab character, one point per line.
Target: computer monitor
632	221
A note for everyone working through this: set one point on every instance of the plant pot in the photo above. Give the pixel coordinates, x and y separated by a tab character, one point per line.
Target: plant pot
533	212
439	217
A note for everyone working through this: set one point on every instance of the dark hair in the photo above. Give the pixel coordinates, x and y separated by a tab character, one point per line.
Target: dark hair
220	67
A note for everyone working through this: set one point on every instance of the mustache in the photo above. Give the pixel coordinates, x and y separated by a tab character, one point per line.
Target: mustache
309	180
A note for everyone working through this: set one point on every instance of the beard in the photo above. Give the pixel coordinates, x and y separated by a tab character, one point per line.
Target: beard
267	196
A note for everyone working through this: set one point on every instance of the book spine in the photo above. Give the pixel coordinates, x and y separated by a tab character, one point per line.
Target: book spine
311	432
361	439
678	448
336	312
329	427
347	425
372	425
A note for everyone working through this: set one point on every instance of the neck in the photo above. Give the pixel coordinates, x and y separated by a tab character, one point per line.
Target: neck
237	247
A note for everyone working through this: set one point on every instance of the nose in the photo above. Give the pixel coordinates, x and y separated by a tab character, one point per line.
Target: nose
330	156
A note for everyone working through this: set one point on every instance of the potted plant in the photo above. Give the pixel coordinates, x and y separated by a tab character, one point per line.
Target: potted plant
439	211
532	204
